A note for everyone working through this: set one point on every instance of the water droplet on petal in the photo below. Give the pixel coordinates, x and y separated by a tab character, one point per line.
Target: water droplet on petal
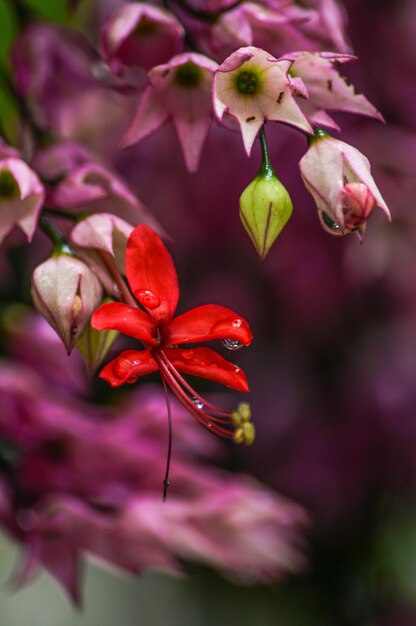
232	344
147	298
329	225
187	354
237	323
122	367
198	403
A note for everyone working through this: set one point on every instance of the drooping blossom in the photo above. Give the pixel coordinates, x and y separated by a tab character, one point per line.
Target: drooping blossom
253	87
338	176
98	237
153	280
76	478
66	291
181	91
250	24
21	197
93	187
327	88
140	35
51	65
322	21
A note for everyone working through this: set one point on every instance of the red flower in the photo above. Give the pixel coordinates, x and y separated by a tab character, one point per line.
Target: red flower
153	280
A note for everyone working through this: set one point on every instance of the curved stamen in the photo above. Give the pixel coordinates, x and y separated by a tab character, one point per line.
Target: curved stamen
192	391
211	422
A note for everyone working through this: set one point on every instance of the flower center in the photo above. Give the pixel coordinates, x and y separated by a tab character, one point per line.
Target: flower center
188	74
247	82
145	27
8	185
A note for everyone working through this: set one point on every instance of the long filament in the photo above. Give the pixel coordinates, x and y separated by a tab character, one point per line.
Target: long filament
166	481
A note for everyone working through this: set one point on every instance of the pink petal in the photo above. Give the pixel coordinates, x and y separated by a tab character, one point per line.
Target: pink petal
150	115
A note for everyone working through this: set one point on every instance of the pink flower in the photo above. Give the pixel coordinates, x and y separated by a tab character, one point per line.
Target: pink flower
250	24
327	88
93	187
140	35
321	21
338	176
98	236
179	90
66	291
21	197
253	87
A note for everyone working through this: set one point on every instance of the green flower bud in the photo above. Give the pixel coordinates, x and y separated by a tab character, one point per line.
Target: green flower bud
94	345
265	208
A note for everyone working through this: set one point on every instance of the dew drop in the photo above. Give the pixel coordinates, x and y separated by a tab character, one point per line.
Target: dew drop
329	225
232	344
187	354
198	403
122	368
147	298
237	323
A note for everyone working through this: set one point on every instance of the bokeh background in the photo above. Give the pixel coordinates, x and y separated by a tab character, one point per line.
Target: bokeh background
332	368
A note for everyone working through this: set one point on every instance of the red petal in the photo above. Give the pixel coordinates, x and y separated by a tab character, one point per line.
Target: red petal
128	367
151	273
208	322
126	319
206	363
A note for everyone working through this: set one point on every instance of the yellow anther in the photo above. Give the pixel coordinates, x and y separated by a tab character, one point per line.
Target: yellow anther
244	411
249	433
235	416
76	306
245	433
238	436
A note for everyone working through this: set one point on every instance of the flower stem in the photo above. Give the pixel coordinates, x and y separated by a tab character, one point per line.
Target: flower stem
51	231
266	169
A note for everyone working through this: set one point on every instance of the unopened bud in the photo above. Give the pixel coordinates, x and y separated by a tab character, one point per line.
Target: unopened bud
265	208
66	292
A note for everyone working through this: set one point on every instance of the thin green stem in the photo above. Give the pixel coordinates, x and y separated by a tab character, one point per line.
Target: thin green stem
25	113
66	215
51	231
266	167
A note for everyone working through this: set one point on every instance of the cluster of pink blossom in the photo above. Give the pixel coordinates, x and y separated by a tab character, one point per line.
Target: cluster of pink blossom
79	478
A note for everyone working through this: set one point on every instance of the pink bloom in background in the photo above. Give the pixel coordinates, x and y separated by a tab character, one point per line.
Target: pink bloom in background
93	187
338	176
322	21
250	24
21	197
86	479
140	35
181	91
253	87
